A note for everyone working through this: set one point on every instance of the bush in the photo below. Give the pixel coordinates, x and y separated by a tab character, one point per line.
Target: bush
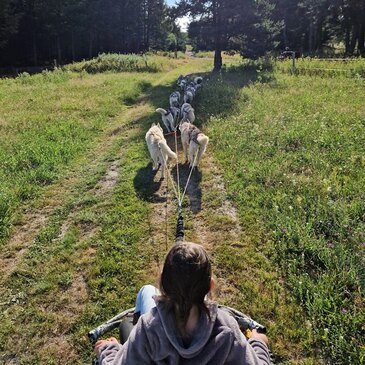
116	63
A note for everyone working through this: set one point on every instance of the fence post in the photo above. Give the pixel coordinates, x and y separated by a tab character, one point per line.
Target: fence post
293	64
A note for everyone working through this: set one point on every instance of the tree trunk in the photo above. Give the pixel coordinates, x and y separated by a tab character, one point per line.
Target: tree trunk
34	49
73	46
59	51
319	36
218	44
91	41
361	40
310	38
217	60
347	40
354	37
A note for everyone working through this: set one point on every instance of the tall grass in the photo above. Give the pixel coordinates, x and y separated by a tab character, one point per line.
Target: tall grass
47	121
293	159
118	63
92	253
352	67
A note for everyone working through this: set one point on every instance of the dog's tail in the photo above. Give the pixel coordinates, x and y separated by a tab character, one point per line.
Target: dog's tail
198	80
162	111
166	149
203	142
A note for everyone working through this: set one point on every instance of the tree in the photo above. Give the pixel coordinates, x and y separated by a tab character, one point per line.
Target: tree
243	25
8	21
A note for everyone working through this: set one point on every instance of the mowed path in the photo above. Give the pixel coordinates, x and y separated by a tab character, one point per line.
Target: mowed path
210	219
16	256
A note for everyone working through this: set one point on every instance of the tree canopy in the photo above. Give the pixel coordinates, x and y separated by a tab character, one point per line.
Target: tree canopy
35	32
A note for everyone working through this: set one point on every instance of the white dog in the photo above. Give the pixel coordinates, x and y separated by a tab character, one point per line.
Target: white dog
182	81
198	81
175	99
158	148
168	117
194	142
188	96
187	112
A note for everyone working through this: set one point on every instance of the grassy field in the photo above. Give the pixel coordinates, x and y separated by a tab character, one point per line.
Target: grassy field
292	153
76	206
350	67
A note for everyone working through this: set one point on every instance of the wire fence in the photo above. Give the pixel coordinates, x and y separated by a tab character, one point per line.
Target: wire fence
324	67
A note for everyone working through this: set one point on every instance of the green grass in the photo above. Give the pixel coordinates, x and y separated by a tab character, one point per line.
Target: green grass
292	153
48	121
352	67
89	257
123	63
292	156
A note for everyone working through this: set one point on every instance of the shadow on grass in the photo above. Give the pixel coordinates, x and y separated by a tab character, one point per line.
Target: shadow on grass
220	91
219	95
145	185
193	189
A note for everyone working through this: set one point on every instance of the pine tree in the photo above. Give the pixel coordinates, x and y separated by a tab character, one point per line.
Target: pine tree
8	21
243	25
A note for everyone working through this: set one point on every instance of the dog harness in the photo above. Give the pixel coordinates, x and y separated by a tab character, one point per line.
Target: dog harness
194	133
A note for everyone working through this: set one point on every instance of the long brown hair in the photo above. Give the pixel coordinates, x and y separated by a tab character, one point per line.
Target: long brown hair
185	281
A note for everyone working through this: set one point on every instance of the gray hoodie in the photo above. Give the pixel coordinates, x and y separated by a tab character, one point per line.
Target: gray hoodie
155	340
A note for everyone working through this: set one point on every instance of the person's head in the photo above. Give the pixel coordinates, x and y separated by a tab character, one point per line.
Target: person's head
186	278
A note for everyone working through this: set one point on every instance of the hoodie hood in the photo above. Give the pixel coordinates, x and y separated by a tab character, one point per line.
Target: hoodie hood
201	334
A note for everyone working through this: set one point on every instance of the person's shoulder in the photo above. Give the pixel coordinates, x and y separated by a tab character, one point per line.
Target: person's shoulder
227	323
225	318
150	316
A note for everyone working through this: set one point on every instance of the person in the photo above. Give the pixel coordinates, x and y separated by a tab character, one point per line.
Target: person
184	326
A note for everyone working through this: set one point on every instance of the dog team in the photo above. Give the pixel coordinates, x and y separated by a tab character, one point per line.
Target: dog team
194	142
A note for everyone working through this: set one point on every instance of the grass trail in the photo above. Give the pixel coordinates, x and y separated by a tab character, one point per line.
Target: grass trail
52	274
291	155
77	244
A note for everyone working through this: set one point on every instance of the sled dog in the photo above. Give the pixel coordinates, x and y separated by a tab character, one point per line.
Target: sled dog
175	99
194	142
168	118
182	81
187	112
158	148
198	80
188	96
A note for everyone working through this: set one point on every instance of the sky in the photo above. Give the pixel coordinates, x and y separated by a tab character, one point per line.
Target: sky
182	22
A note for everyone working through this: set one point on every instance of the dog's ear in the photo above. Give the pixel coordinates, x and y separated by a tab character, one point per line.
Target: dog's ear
153	125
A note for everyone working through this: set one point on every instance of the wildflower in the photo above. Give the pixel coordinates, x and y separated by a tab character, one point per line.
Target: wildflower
330	244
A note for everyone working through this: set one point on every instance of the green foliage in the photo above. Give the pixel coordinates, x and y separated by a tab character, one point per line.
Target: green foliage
46	126
116	63
292	157
245	26
44	31
352	67
89	253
